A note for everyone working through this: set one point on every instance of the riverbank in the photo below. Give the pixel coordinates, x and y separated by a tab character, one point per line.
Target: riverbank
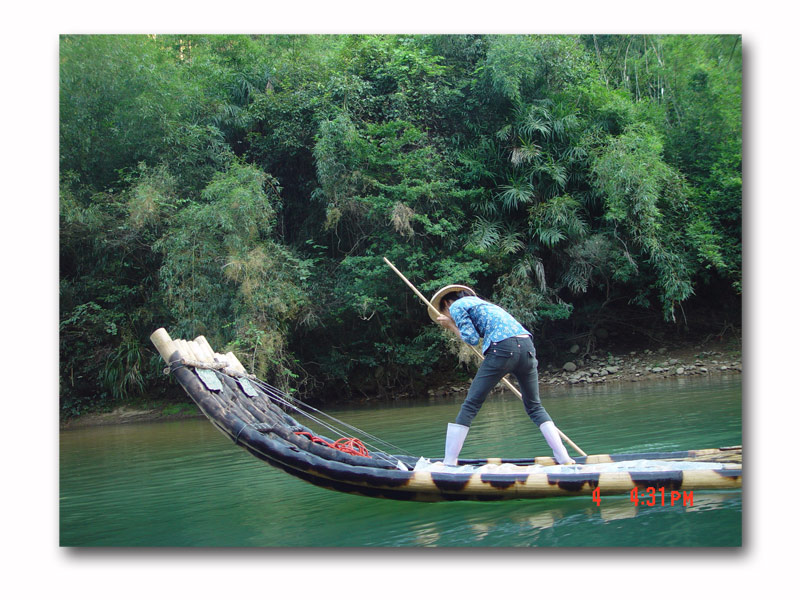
129	414
576	368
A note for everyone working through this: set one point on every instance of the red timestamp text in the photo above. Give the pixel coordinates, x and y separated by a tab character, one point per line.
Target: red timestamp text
659	497
653	496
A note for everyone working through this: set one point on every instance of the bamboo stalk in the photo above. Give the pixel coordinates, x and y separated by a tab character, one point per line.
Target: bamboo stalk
199	352
235	364
164	344
183	348
208	352
505	380
213	366
186	350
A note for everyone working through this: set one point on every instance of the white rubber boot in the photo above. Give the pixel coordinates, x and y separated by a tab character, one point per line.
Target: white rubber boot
456	434
550	433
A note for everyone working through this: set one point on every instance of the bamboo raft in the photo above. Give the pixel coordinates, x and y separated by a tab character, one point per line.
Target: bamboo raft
252	415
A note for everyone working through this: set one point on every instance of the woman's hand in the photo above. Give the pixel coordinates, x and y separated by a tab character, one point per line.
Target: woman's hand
447	322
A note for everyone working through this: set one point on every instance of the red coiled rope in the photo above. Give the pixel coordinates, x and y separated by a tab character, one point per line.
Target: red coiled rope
352	446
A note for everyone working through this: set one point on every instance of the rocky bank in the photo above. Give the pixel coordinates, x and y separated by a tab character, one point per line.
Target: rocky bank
636	365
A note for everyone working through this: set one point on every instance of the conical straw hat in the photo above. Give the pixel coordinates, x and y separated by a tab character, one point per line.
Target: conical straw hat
437	297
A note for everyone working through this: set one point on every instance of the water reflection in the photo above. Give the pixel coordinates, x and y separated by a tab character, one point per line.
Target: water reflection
614	510
426	535
183	484
580	522
545	519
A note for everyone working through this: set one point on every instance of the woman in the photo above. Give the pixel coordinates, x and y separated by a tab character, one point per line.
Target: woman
507	348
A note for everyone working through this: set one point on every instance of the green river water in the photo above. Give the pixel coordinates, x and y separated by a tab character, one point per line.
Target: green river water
183	484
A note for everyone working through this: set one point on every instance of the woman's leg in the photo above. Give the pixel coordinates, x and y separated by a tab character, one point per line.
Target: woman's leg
528	378
492	369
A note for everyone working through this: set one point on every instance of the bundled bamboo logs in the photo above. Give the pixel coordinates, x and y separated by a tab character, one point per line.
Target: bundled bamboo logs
196	353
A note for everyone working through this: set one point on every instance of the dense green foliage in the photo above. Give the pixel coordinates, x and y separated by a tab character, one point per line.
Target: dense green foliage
247	187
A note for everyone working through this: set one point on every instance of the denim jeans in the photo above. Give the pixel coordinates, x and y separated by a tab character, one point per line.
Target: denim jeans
513	355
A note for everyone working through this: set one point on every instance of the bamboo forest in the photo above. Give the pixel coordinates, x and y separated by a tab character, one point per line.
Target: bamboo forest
247	187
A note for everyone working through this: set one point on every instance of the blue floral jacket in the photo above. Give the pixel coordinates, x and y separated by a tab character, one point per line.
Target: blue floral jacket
478	318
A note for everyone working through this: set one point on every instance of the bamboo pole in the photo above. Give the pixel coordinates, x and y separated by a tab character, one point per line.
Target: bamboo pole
164	344
235	364
208	351
505	380
186	349
199	352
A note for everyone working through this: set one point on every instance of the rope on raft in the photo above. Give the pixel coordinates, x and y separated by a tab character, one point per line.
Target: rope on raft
283	398
352	446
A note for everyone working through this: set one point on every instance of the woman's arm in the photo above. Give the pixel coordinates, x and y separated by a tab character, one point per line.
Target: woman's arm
462	324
